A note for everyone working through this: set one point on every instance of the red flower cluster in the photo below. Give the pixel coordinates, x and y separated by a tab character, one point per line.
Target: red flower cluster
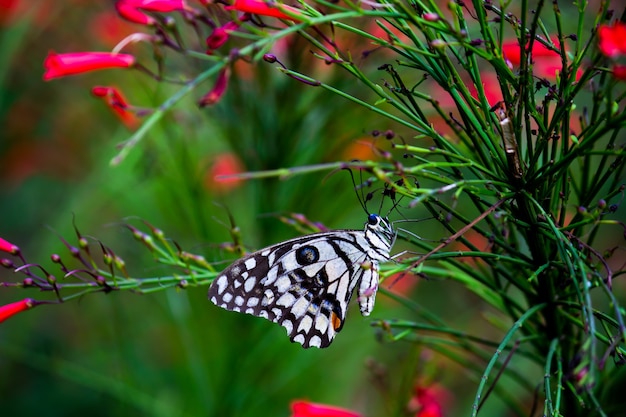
140	11
612	44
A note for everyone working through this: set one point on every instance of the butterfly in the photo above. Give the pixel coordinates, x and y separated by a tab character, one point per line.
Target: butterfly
305	284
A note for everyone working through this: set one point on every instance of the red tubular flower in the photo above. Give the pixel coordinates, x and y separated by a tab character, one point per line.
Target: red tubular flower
12	309
60	65
8	247
132	9
612	39
116	101
430	406
546	62
308	409
429	401
132	14
262	8
220	35
619	72
512	51
218	89
223	165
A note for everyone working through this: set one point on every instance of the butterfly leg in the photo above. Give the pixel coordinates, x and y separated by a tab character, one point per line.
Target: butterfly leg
368	287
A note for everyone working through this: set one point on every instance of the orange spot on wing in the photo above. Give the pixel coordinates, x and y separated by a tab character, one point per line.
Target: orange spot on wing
335	320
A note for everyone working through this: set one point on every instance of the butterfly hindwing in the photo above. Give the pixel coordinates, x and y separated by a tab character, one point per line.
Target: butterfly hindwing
304	284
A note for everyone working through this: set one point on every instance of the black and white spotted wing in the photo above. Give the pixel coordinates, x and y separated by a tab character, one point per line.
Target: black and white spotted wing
305	284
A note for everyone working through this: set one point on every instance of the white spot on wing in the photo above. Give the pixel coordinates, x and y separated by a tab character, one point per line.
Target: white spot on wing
278	313
305	323
239	300
268	297
321	323
300	307
315	341
227	297
299	338
287	324
249	284
222	282
252	302
283	283
286	300
270	277
263	314
250	263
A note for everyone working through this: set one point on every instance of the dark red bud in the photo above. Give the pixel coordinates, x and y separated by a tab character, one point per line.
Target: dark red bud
270	58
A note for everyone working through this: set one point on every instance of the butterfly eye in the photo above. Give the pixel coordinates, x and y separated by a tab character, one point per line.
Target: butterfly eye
373	219
307	255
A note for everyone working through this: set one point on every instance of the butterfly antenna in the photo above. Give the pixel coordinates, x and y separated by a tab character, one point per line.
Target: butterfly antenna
382	200
360	196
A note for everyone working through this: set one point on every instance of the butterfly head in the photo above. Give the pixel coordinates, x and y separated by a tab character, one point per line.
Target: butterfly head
379	228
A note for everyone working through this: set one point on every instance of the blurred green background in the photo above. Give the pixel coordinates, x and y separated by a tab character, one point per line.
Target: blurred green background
172	353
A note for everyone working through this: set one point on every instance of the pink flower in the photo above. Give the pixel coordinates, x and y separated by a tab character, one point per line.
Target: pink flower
218	89
9	310
308	409
262	8
60	65
116	101
612	39
132	10
8	247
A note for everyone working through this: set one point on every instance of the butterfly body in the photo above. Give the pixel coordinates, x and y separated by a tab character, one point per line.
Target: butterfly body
305	284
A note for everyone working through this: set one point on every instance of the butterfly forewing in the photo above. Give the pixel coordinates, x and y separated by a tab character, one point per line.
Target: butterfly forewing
305	284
